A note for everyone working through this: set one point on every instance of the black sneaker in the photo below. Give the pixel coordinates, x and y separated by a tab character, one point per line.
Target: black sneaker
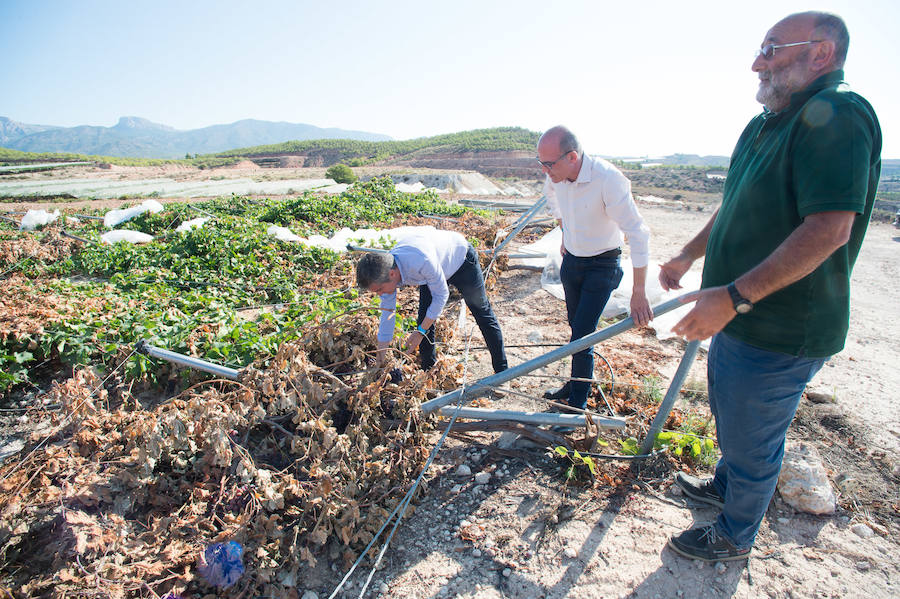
561	393
699	489
707	545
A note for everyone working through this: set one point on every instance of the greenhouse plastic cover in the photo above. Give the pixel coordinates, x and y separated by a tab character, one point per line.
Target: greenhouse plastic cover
283	233
37	218
195	223
620	300
117	217
119	235
338	242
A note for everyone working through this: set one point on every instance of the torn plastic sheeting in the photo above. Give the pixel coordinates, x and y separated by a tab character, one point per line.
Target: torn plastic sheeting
119	235
37	218
620	300
117	217
364	237
283	233
194	223
221	564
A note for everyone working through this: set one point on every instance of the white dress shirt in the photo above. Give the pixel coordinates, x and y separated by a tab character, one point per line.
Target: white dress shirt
427	257
596	209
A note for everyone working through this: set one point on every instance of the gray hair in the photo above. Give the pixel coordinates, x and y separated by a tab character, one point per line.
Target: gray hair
374	268
829	26
568	142
832	27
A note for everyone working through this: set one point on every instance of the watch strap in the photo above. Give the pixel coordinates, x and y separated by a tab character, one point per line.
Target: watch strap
741	304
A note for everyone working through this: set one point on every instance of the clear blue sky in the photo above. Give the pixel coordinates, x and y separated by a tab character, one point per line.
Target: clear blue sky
630	78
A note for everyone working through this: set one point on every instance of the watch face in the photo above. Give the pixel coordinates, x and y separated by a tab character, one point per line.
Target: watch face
743	308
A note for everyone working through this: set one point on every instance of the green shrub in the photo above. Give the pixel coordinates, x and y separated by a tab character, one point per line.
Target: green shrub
341	173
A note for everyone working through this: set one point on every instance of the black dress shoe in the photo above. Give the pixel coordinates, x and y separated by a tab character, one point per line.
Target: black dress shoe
561	393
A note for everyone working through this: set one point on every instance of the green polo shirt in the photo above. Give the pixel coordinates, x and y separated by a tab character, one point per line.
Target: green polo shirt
821	153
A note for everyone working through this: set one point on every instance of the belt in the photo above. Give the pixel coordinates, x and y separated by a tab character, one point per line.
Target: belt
613	253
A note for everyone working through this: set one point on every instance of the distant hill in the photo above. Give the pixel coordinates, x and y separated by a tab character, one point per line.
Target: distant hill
677	160
11	130
135	137
499	151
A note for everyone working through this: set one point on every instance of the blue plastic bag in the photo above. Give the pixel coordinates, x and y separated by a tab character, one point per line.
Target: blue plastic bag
221	564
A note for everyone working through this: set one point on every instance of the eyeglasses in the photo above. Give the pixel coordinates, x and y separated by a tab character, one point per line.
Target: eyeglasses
768	51
548	164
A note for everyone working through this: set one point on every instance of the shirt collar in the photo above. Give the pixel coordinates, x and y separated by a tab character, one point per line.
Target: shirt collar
832	79
587	167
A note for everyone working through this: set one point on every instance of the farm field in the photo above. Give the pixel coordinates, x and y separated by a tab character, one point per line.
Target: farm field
120	469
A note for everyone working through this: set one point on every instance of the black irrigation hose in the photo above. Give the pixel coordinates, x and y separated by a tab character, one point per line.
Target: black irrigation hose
608	456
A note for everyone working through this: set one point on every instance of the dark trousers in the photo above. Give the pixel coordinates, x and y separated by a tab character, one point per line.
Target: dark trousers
470	283
753	393
587	283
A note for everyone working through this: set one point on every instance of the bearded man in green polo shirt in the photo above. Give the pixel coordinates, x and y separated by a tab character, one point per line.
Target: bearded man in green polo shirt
779	251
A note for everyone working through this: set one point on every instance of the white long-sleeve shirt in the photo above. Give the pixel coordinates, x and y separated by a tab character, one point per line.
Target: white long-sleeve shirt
429	257
596	209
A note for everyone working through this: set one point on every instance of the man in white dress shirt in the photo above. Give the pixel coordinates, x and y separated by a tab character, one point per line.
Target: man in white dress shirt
431	259
592	202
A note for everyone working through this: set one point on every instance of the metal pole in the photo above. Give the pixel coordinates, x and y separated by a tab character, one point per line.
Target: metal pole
88	216
358	248
522	222
532	417
192	207
690	352
145	348
13	221
527	255
77	238
482	386
521	225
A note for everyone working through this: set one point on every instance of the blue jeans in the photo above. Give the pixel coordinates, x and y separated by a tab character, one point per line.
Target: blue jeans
753	393
587	283
470	283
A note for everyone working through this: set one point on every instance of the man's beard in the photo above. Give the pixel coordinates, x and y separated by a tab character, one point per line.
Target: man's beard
776	94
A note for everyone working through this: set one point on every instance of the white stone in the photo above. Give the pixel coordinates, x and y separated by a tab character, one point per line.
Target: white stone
535	337
310	595
506	572
455	489
482	478
476	553
862	530
463	470
570	553
383	588
820	396
803	482
783	520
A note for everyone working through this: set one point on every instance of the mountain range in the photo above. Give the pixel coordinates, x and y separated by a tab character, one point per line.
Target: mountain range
134	137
